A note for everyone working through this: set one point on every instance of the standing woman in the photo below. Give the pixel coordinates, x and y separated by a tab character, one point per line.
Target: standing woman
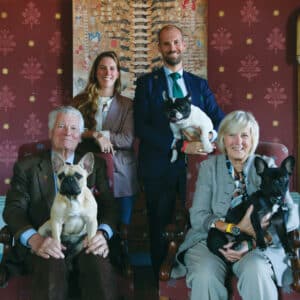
109	126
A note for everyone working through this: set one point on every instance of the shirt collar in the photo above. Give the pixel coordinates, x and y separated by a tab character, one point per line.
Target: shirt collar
168	71
69	160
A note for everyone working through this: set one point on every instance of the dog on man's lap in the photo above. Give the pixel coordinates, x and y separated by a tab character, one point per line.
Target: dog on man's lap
74	210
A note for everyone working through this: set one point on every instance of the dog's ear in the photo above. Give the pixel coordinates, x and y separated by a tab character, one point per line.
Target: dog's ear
57	162
87	162
288	164
260	165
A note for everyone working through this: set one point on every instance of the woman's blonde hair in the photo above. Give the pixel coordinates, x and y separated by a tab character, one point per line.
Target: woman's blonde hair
236	122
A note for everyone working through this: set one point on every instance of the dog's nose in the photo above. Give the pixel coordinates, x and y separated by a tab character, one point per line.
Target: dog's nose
69	186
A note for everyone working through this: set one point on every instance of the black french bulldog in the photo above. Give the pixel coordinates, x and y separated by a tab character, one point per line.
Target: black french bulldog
269	198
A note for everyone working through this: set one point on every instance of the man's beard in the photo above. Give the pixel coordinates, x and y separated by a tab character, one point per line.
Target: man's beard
173	61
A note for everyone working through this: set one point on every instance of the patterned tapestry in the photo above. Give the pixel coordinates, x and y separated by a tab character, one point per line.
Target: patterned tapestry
130	28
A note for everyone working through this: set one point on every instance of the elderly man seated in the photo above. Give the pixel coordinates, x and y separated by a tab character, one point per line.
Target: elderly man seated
28	204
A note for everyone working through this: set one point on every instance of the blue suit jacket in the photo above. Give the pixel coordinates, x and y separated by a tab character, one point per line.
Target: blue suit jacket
151	124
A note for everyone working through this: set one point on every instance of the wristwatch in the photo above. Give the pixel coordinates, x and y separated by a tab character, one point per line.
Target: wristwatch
233	229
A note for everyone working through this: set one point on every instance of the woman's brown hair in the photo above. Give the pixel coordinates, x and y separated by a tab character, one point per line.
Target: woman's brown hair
90	107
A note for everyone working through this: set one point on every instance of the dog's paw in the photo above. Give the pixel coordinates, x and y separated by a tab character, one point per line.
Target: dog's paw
208	147
174	156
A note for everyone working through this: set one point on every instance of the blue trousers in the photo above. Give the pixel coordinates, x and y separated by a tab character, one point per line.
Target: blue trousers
126	205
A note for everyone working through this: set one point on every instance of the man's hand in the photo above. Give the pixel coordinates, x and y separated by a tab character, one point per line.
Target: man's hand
194	146
98	245
46	247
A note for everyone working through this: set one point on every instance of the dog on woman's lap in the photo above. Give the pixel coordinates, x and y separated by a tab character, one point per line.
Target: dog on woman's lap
268	199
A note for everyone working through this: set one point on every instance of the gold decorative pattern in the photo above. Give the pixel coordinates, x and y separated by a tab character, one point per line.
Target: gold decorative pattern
249	96
4	15
221	13
32	98
249	41
31	43
221	69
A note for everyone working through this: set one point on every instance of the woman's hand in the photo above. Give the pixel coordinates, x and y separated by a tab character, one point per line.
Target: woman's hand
245	224
98	245
234	255
105	145
265	221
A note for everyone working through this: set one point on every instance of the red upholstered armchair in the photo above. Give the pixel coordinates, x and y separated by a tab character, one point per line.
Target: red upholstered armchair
175	289
20	287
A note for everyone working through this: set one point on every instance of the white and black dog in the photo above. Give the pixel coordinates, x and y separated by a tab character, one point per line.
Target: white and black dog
182	114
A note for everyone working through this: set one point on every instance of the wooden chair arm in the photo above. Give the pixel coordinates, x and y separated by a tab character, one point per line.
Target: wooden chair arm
295	261
6	239
177	230
174	234
166	267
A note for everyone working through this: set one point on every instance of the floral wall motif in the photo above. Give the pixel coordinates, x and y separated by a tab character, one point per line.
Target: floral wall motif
251	65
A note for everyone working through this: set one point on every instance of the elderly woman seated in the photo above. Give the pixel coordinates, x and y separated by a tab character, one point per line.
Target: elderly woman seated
220	176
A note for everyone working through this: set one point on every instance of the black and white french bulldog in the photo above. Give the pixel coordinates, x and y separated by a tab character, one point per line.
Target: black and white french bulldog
73	213
183	115
268	199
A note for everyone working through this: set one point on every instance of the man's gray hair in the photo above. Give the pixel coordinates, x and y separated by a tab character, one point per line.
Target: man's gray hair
65	110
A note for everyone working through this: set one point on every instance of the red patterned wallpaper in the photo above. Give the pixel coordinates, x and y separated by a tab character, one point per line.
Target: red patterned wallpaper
35	72
251	65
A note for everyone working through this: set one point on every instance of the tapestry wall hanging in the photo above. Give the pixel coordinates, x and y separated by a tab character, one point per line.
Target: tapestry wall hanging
130	27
